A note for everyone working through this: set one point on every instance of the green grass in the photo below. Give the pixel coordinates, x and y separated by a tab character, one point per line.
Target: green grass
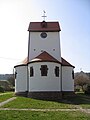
6	96
28	115
69	102
22	102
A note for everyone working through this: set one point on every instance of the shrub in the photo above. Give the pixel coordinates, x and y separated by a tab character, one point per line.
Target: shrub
1	89
87	91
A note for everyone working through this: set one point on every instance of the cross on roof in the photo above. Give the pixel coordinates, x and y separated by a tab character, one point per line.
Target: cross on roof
44	15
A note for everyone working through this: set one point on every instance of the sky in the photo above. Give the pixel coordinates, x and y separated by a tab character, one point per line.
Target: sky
72	15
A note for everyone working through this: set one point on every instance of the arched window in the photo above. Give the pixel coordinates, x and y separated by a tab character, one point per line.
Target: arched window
43	70
31	72
57	71
72	74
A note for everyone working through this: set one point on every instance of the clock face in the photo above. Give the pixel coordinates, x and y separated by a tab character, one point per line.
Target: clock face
43	35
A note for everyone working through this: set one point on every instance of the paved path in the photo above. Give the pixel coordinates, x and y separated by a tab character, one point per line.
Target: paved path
45	110
82	110
8	100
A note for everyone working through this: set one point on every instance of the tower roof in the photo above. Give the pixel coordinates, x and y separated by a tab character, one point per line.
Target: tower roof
44	26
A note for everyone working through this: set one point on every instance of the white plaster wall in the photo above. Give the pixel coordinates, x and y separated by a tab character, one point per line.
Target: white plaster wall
67	81
21	79
44	83
48	44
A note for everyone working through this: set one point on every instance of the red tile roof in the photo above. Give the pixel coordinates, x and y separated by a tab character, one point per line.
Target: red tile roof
44	56
44	26
25	61
65	63
47	57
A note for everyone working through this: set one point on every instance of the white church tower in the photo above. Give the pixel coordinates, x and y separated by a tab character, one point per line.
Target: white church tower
44	36
44	74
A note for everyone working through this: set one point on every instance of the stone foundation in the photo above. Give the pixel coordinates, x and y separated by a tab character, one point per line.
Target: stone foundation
45	95
24	94
66	94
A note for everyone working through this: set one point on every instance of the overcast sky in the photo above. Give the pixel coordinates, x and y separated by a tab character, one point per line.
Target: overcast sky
74	19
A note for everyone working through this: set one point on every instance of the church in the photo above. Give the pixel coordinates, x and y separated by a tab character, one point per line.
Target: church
44	74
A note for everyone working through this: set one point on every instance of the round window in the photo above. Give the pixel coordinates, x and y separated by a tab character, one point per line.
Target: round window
43	35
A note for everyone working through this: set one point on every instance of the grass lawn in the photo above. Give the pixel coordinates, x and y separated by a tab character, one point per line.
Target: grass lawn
22	102
28	115
69	102
6	96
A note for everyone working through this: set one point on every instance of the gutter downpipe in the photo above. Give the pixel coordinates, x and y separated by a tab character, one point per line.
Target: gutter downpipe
61	83
27	65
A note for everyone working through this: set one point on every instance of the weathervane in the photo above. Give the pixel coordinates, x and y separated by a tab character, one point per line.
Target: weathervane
44	15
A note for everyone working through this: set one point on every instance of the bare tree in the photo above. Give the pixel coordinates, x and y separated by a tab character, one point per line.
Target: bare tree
82	80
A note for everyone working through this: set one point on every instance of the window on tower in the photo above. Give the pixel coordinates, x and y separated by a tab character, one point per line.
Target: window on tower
31	72
44	70
57	71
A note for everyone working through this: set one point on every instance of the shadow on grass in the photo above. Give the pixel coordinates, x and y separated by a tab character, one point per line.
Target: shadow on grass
77	99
